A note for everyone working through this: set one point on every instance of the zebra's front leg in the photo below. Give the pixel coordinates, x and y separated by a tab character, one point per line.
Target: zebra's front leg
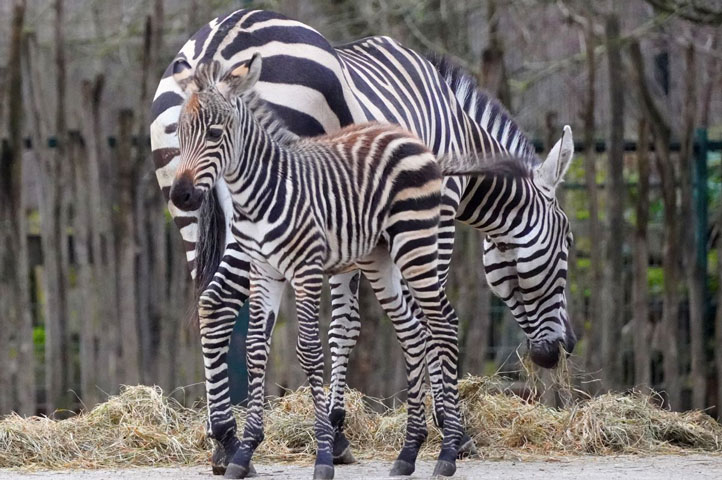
387	284
307	283
218	308
266	292
342	336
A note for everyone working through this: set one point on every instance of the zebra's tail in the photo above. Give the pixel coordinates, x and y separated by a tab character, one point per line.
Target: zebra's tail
459	164
210	245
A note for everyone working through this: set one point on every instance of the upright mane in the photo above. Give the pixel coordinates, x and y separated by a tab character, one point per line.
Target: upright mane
486	110
269	120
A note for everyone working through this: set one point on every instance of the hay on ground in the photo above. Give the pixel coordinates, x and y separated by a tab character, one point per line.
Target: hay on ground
142	427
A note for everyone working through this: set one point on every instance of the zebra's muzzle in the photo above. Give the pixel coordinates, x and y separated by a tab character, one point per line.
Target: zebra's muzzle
185	195
546	353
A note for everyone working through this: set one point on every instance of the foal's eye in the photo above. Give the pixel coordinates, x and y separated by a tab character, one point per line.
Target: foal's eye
503	247
214	133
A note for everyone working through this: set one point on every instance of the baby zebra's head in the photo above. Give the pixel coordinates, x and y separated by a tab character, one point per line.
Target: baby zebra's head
209	125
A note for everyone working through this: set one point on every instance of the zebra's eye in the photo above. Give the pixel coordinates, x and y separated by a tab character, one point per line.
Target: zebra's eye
214	133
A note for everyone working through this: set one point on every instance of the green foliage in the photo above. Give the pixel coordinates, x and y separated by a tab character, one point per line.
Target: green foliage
39	340
655	280
584	263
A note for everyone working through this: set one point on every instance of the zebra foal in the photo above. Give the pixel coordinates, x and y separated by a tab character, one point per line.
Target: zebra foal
367	197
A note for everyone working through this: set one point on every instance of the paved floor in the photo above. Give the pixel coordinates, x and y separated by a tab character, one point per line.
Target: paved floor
587	468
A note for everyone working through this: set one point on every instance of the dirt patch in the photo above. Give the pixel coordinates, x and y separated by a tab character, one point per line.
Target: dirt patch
589	468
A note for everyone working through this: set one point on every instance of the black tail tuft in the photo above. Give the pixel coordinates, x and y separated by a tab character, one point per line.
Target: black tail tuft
455	164
211	244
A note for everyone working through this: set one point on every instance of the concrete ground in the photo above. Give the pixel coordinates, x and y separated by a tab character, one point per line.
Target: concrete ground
588	468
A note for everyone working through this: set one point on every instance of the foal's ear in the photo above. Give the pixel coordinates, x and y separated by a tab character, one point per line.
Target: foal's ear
183	75
242	78
551	171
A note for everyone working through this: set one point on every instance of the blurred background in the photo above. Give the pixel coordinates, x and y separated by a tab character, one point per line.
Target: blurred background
94	290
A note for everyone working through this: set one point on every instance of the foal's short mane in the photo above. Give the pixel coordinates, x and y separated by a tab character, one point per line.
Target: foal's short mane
269	120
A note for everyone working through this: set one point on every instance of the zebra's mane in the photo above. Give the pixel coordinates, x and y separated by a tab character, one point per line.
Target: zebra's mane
269	120
483	108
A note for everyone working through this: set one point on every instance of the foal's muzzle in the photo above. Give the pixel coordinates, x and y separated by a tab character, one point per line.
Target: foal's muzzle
185	195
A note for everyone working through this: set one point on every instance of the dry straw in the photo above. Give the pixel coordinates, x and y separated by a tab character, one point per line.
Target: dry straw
142	427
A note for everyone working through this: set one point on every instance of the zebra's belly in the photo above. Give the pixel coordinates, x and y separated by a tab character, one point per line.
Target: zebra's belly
342	252
254	240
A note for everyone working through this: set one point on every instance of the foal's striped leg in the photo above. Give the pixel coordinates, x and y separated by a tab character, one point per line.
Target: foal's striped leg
307	282
387	284
415	254
218	308
342	336
266	292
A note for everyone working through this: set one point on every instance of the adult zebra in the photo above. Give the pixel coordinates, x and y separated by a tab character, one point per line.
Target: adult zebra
317	89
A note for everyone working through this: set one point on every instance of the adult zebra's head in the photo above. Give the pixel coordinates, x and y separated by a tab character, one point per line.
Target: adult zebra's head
209	126
526	257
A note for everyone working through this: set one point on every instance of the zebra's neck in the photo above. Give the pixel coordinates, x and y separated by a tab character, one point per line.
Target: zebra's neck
507	206
261	169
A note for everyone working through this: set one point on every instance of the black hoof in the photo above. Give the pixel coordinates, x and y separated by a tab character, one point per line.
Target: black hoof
346	458
323	472
444	469
402	468
237	471
468	448
218	461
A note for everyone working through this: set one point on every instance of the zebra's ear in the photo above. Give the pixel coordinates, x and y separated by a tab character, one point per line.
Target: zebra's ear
183	75
552	170
242	78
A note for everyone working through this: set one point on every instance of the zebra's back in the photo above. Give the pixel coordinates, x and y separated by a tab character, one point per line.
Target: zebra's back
355	183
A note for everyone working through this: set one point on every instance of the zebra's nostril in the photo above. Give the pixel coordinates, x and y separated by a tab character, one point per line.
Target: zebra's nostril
545	353
183	194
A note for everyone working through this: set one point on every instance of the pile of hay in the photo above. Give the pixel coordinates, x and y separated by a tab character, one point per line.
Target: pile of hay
142	427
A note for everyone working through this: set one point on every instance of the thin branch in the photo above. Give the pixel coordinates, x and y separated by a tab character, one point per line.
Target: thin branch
690	11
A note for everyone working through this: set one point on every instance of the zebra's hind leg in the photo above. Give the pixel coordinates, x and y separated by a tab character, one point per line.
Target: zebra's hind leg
386	282
342	336
218	308
307	283
414	252
266	292
445	241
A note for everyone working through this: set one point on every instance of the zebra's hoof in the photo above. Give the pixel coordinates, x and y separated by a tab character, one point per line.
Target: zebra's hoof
323	472
218	461
402	468
346	457
234	470
468	448
444	468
